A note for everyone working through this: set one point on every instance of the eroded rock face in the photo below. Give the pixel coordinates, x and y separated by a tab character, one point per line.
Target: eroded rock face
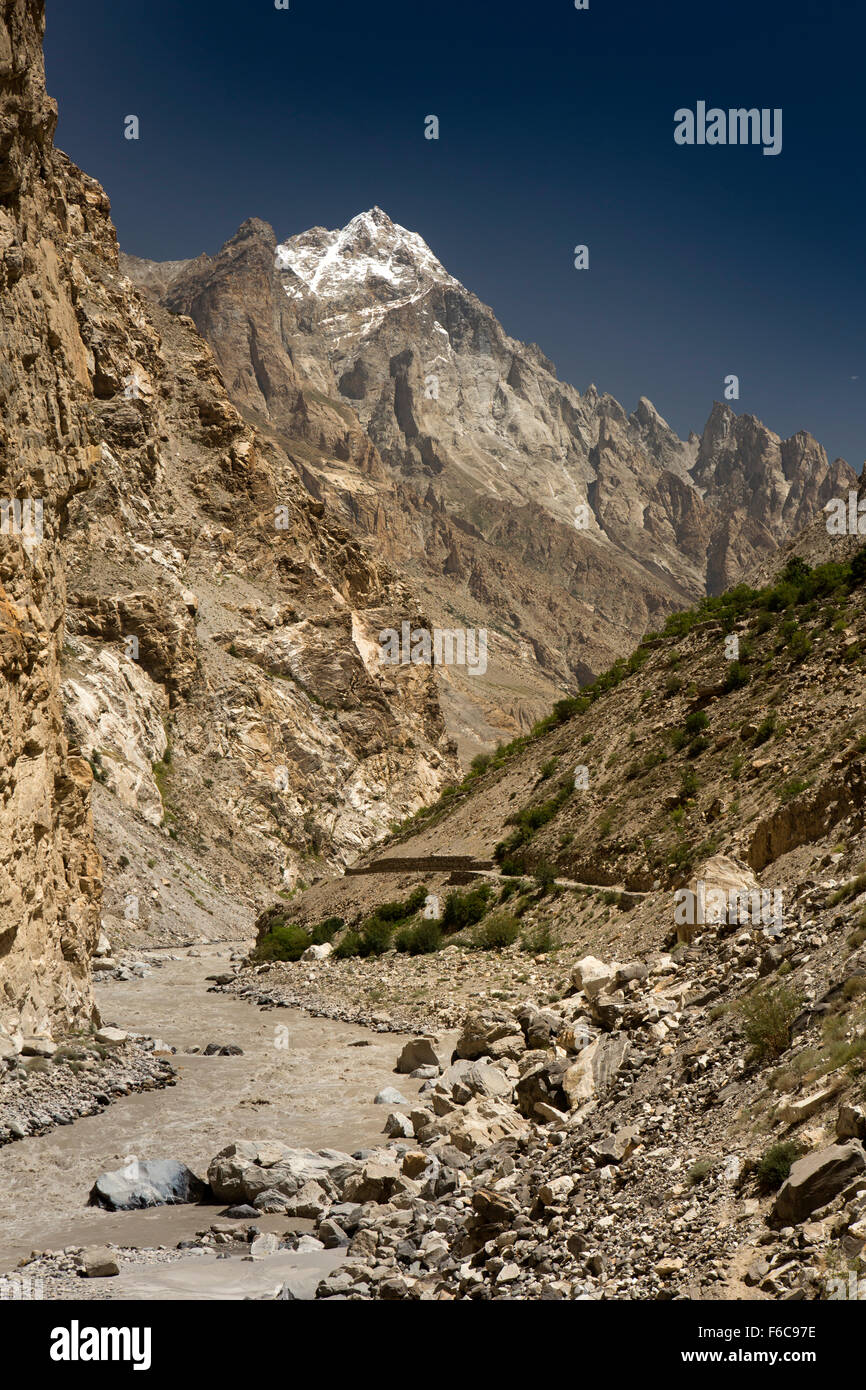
50	872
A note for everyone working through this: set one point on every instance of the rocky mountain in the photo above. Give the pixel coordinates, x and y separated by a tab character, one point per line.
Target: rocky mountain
553	518
188	644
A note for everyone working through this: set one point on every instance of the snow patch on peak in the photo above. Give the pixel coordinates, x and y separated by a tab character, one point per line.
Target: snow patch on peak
371	253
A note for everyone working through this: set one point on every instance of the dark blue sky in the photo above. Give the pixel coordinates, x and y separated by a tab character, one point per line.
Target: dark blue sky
556	129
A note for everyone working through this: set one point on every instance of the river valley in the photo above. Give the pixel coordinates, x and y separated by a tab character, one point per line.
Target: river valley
313	1090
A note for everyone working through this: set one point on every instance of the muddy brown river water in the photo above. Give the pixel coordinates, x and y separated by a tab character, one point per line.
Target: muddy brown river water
316	1092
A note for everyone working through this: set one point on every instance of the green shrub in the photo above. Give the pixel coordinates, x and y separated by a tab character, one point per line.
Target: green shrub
465	909
348	945
512	865
688	784
282	943
696	723
399	911
376	936
851	889
537	941
326	931
766	1019
793	788
509	889
775	1166
765	730
736	677
420	940
545	877
530	819
497	932
700	1171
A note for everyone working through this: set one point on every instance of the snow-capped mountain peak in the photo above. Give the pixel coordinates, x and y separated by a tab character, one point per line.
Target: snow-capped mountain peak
370	253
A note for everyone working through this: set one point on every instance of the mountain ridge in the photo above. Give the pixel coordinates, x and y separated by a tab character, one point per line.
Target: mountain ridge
459	451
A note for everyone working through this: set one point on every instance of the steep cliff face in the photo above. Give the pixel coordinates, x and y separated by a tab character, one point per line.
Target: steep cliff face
181	620
566	524
50	873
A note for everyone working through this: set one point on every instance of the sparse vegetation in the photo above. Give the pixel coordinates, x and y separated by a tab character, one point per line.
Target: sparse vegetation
766	1018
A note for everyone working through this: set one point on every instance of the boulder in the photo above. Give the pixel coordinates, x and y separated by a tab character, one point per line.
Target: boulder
577	1035
557	1191
374	1183
318	952
793	1111
489	1035
414	1163
541	1085
632	970
417	1053
816	1179
154	1183
614	1148
608	1009
272	1203
263	1245
215	1049
332	1235
594	1070
723	892
390	1096
478	1125
592	976
399	1126
311	1202
851	1122
242	1170
98	1262
464	1079
492	1212
539	1026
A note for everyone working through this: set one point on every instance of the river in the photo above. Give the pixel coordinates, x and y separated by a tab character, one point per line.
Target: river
316	1092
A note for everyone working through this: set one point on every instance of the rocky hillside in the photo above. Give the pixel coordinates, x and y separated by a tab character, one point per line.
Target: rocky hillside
186	634
647	920
558	521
